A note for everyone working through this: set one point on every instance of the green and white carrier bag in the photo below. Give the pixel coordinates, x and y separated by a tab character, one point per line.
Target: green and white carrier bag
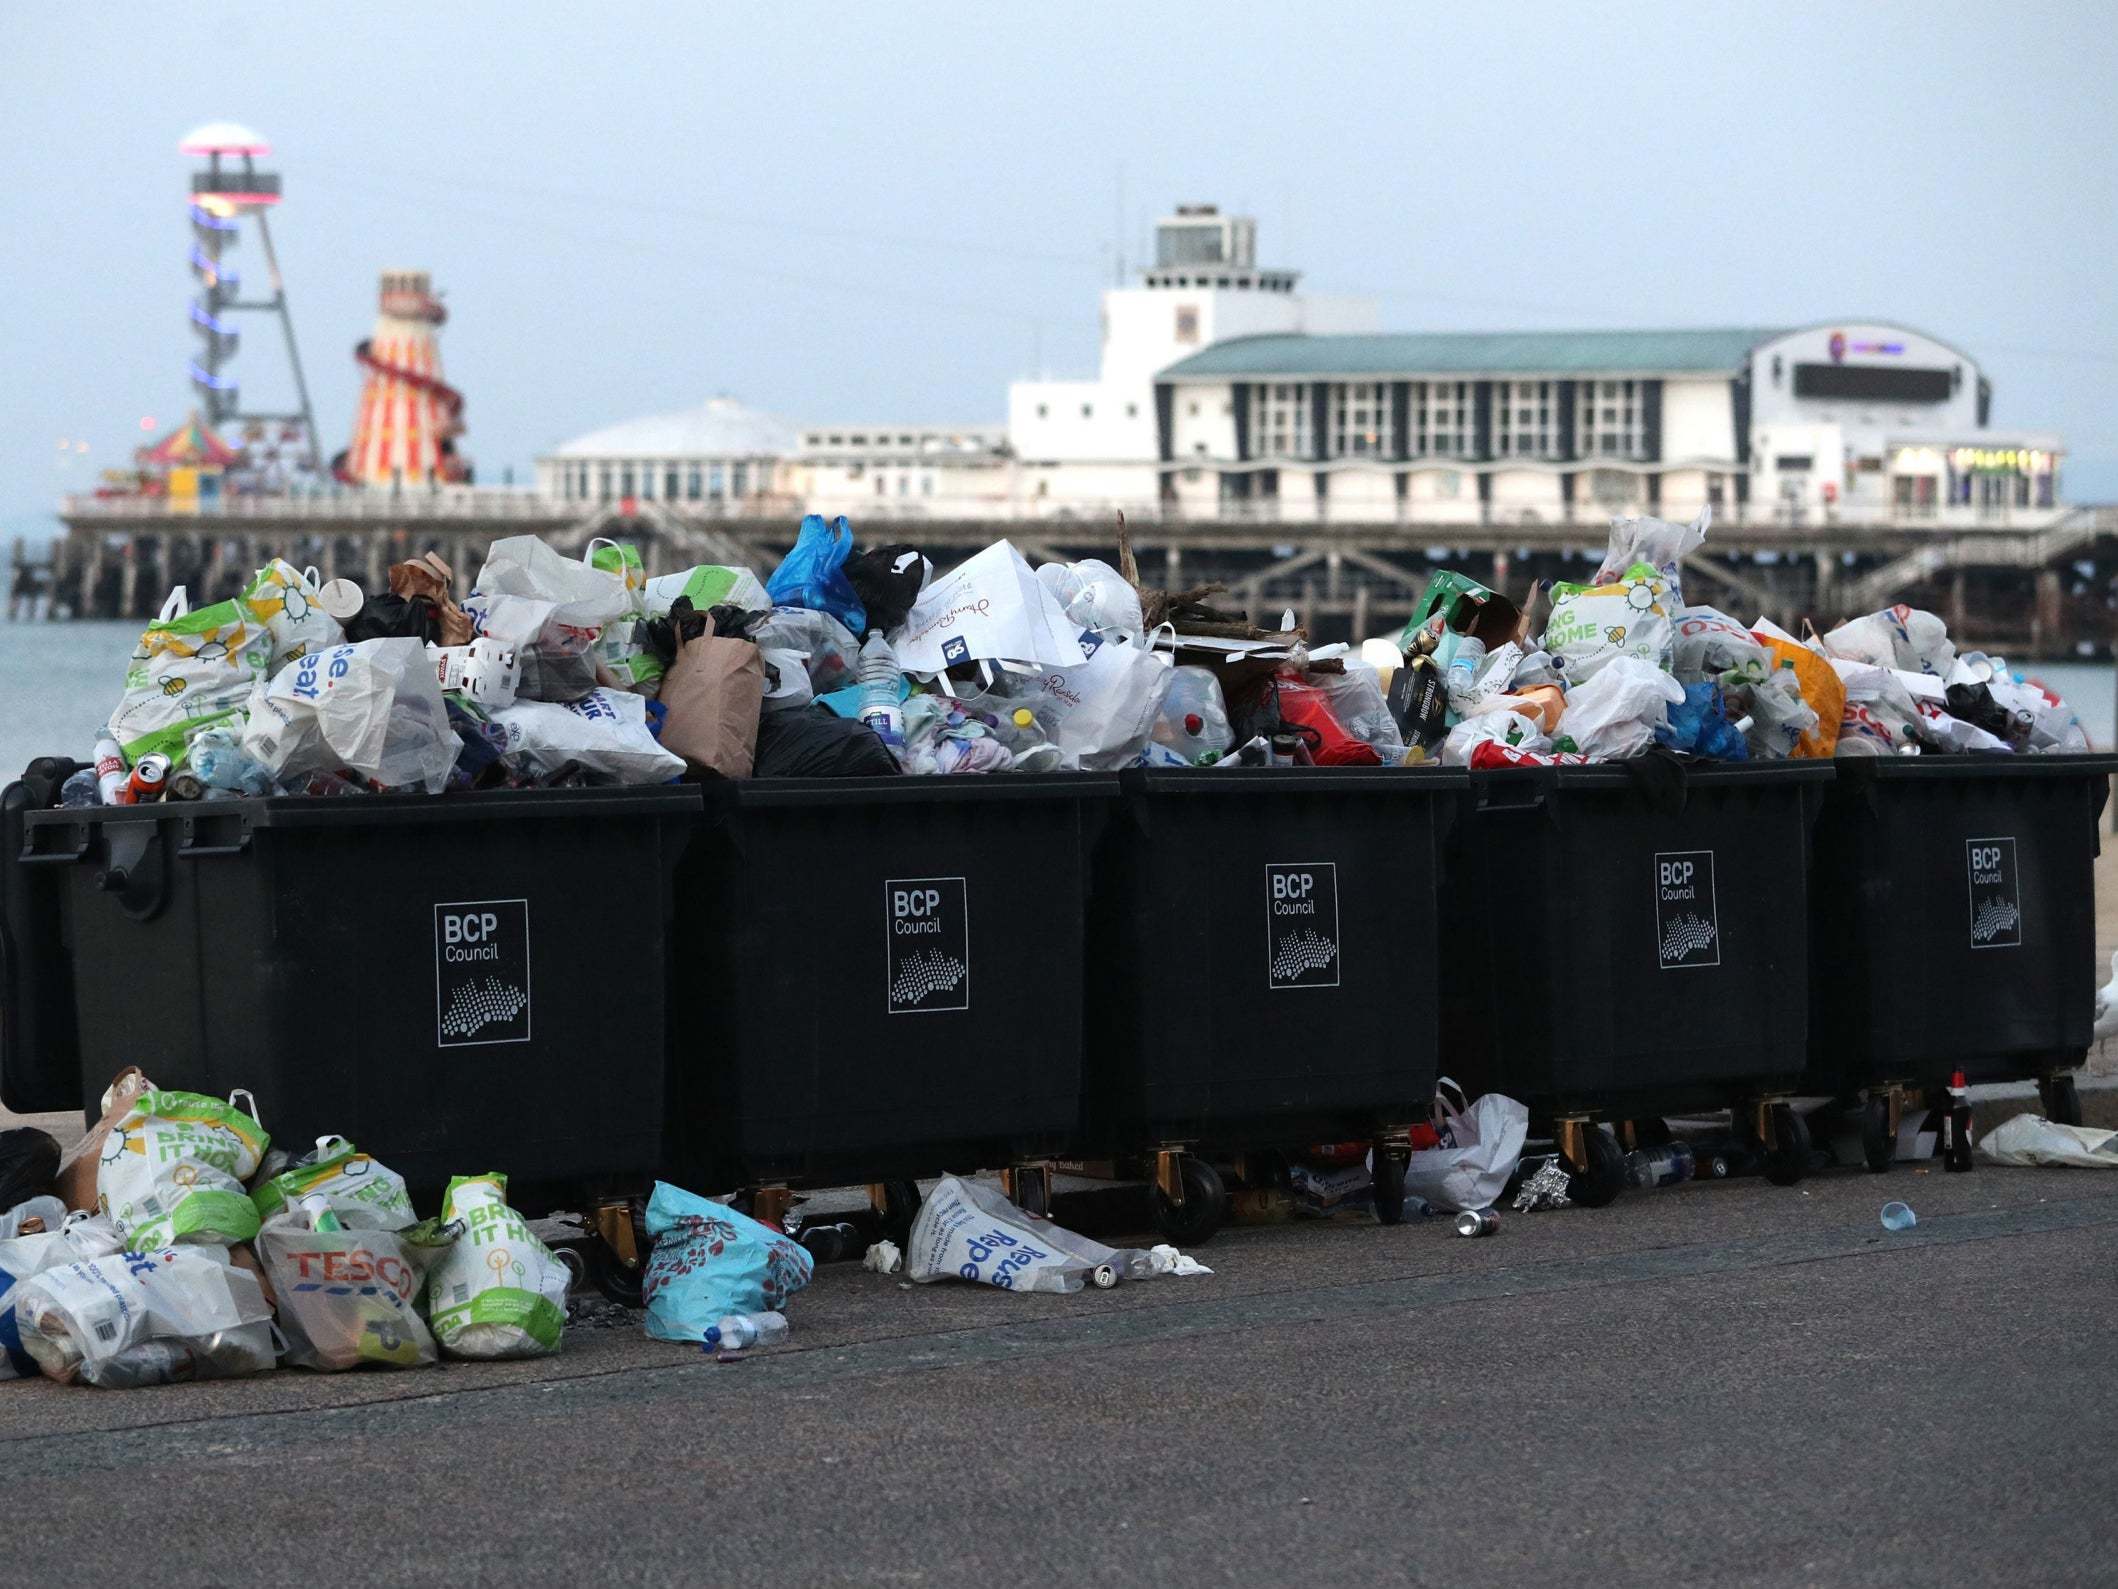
498	1292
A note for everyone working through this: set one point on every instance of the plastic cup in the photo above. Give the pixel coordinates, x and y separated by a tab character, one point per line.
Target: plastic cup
1899	1216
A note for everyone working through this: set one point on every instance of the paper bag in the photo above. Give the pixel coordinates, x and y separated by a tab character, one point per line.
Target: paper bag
714	692
989	608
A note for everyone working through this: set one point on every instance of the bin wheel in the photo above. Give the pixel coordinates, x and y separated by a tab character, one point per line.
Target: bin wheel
1878	1146
900	1208
1389	1185
2062	1102
1205	1205
1787	1158
1596	1183
1653	1132
618	1280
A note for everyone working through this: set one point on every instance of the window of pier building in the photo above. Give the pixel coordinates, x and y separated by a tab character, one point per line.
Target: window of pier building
1522	419
1360	420
1441	419
1281	410
1607	419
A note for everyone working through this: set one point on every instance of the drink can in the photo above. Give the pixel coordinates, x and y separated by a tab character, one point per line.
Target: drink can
149	775
185	786
110	771
1103	1276
1477	1222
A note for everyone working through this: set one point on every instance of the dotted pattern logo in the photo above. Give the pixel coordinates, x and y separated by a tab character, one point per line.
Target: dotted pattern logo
1301	925
1685	935
927	945
1687	914
475	1006
928	973
1300	952
1996	914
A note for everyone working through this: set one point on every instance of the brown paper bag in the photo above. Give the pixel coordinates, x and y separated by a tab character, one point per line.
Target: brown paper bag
714	692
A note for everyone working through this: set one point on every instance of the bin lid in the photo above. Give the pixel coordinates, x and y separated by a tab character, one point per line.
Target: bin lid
387	810
921	789
1696	774
1973	765
1163	781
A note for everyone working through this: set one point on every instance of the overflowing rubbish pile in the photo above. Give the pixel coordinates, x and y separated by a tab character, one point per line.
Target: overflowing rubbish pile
1608	669
850	661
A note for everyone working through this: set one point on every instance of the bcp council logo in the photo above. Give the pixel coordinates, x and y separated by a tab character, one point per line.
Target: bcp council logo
927	953
481	972
1996	908
1301	925
1687	922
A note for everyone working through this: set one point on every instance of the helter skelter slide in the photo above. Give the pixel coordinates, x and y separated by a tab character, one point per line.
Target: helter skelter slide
405	432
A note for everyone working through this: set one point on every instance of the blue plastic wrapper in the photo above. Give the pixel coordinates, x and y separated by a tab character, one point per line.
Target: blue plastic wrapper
710	1261
813	574
1700	725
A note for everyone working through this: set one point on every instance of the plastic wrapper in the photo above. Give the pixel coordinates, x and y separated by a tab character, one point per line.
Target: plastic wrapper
813	573
1699	725
346	1297
1490	754
825	647
359	1192
498	1291
1616	712
1591	626
968	1230
1512	729
374	706
1095	596
1896	637
605	732
1193	721
710	1261
1708	643
1357	700
1771	697
1306	709
1880	716
146	1318
172	1170
1656	544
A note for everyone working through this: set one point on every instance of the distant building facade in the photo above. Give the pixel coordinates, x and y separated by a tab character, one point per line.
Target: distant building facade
1224	392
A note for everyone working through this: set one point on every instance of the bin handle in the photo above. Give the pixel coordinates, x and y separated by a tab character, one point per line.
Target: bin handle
136	870
1530	792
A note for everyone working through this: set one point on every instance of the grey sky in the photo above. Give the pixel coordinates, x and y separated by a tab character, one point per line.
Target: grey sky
891	210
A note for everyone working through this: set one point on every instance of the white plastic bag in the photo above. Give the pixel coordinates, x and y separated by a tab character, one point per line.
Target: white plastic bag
173	1166
498	1292
374	706
146	1318
1102	713
2035	1142
1480	1144
1615	713
709	585
68	1239
989	608
584	598
1193	721
1881	717
1896	637
346	1297
968	1230
826	647
1659	544
1708	643
1094	595
605	731
189	671
1502	726
282	599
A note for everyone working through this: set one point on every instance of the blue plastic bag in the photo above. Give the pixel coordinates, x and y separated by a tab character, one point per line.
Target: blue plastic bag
709	1261
1700	725
813	574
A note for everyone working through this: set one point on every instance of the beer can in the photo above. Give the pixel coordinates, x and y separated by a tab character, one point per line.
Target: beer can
149	776
1477	1222
185	786
1103	1276
110	771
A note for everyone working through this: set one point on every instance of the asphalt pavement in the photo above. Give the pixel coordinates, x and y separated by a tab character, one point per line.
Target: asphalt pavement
1737	1382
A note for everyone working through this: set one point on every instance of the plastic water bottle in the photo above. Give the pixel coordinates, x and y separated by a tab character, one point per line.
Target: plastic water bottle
81	790
1667	1165
738	1332
1462	677
879	679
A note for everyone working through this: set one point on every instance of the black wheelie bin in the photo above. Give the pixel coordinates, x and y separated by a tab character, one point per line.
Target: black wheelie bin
1631	941
882	980
1263	973
1954	929
455	983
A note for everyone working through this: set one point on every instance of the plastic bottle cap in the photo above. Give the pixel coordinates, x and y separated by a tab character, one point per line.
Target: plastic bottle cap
1022	717
1194	723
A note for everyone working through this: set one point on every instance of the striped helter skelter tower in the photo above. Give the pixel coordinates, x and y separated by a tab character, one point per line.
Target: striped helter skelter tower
405	432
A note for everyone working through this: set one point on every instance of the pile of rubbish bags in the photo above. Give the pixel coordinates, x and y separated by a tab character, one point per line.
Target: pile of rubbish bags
174	1242
1607	670
861	662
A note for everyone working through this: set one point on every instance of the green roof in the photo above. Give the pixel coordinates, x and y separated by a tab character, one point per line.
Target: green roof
1715	351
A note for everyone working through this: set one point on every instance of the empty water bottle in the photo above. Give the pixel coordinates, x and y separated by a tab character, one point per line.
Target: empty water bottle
737	1332
1667	1165
81	790
880	681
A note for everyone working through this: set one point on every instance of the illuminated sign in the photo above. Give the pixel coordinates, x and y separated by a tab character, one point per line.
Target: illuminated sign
2000	460
1840	347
